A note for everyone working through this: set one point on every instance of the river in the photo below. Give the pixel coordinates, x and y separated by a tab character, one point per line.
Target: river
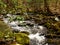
36	32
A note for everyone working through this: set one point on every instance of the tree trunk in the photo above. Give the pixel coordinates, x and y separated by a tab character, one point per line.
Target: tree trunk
46	8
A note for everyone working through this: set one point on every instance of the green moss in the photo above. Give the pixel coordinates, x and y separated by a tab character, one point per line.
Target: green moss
25	32
22	38
8	35
15	44
4	27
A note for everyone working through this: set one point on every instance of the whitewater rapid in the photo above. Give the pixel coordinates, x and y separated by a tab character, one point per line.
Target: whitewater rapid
36	32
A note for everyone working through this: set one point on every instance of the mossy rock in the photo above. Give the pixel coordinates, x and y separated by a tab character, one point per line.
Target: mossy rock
4	29
15	44
25	32
22	38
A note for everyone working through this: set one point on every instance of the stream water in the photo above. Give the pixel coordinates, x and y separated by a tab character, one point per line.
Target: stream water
36	32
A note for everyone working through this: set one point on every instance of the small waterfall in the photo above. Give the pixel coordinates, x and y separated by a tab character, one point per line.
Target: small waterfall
37	32
37	39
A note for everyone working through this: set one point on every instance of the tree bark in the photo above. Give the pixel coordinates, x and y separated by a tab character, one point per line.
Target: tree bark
46	8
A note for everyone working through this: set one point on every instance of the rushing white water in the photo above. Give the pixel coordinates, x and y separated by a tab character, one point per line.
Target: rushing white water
35	31
9	15
39	39
6	20
57	19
